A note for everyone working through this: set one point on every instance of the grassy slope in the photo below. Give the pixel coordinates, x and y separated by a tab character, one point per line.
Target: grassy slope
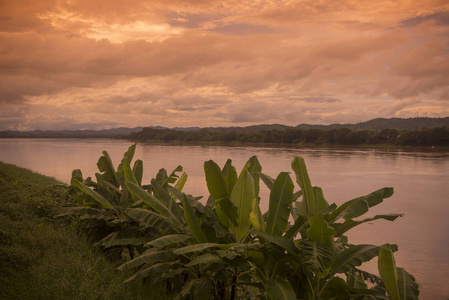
41	258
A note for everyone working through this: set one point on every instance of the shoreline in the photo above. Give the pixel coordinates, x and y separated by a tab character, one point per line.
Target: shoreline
407	148
298	146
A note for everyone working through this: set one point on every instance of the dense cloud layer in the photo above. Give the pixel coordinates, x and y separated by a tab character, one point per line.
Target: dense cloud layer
101	64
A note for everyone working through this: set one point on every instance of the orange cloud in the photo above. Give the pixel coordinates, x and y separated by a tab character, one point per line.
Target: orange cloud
218	63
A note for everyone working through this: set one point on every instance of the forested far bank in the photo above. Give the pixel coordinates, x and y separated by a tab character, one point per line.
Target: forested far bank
438	136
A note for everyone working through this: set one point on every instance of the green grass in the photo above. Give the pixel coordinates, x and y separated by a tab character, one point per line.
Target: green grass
44	258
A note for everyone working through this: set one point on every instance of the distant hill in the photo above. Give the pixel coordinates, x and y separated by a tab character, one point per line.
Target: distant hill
375	124
105	133
252	128
382	123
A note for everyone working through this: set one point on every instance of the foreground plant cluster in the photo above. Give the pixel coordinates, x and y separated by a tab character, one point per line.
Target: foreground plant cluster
225	247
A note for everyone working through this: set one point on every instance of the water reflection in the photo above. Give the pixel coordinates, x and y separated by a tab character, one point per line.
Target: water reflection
419	178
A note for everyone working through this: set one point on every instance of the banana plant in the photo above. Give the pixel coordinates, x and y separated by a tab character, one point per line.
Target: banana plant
114	218
227	249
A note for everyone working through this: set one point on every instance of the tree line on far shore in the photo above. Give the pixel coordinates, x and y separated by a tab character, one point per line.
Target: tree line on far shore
438	136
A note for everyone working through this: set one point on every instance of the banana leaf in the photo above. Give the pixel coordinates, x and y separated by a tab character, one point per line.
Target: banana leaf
242	196
148	257
229	175
408	288
167	240
279	207
154	203
97	197
147	218
138	171
193	221
104	164
280	290
356	207
388	271
126	160
218	189
341	228
302	178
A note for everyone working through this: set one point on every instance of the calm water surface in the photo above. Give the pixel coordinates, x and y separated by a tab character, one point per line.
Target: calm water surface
420	181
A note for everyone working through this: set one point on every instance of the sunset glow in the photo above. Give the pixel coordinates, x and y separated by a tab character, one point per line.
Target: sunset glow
84	64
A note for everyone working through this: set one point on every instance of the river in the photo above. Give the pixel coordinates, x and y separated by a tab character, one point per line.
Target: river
420	180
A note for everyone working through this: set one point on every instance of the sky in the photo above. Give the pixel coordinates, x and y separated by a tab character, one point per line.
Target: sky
100	64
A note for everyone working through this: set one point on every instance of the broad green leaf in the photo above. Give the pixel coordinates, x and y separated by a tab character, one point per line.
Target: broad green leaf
215	181
138	171
229	175
126	160
126	200
193	221
173	176
161	193
196	247
219	193
78	175
162	176
341	228
107	186
193	202
408	288
123	237
154	203
314	256
129	174
226	212
254	168
267	180
242	196
167	200
280	200
104	164
154	271
302	178
256	217
181	182
388	272
202	289
148	218
198	288
99	198
167	240
358	206
207	258
356	281
320	203
147	257
299	224
321	232
100	183
353	257
286	244
337	288
280	290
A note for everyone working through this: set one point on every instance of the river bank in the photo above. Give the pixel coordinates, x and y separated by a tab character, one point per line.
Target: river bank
44	258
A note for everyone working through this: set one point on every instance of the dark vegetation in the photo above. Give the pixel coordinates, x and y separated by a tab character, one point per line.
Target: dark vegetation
45	258
394	132
224	247
438	136
106	133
